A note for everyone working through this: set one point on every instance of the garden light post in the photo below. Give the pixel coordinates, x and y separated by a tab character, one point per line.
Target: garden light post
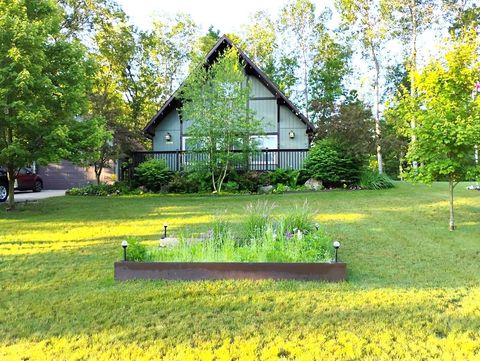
336	245
165	226
124	245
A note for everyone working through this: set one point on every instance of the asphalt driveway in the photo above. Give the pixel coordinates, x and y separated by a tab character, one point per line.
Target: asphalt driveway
31	196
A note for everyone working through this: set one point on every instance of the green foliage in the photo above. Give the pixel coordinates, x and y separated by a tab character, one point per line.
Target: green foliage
88	139
136	251
351	126
119	188
44	79
214	101
231	186
281	188
289	239
153	174
301	218
447	114
373	180
283	176
258	216
189	182
328	162
327	75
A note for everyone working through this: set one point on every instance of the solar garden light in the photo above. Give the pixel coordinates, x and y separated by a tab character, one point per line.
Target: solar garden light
124	245
165	226
336	245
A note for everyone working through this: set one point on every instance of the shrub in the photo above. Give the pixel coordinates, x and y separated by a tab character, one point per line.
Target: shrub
153	174
331	164
281	188
230	186
119	188
136	251
300	219
373	180
257	218
286	177
189	182
248	181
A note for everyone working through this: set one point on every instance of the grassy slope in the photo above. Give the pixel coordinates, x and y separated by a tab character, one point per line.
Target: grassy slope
413	290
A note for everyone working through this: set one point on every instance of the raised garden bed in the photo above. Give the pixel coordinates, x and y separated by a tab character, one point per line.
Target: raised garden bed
261	247
331	272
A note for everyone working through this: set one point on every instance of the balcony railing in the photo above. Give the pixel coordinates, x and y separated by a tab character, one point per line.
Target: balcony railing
262	160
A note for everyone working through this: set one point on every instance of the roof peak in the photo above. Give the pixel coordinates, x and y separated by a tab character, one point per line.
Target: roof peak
253	68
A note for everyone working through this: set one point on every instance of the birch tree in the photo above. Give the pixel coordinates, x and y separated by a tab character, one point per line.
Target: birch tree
411	19
297	20
370	23
214	102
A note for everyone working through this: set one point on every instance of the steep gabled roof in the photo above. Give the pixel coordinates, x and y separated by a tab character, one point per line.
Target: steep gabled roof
250	68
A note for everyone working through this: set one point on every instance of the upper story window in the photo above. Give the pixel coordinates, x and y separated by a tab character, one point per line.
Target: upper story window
266	141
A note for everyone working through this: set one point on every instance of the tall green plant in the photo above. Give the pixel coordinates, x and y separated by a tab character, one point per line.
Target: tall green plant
448	117
43	82
214	103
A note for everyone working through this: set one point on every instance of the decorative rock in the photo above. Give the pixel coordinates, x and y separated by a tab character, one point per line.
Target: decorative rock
314	184
265	190
168	242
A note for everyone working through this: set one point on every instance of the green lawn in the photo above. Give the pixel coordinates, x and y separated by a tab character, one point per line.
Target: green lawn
413	290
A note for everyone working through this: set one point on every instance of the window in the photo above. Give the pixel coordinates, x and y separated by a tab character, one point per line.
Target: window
265	142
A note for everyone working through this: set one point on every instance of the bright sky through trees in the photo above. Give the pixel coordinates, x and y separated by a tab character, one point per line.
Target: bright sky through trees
228	16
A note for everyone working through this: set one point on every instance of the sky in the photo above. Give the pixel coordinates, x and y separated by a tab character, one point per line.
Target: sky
227	15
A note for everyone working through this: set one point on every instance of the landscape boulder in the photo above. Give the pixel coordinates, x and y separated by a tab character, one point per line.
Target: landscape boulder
265	190
314	184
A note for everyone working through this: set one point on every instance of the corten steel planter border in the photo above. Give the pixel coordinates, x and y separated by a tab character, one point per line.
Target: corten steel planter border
191	271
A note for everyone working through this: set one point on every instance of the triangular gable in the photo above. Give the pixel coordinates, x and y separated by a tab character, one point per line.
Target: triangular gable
250	68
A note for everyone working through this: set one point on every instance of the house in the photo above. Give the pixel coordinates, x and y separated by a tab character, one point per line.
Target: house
284	142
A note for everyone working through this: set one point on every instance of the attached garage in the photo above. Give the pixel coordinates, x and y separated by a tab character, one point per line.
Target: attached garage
66	175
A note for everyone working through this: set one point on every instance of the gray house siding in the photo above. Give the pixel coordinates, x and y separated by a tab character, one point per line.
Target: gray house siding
276	120
171	124
279	118
290	122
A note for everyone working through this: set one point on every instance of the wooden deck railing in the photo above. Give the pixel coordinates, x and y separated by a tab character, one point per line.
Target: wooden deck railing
262	160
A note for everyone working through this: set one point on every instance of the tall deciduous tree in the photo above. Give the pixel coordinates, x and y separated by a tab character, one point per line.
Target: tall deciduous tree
43	84
214	102
447	115
166	55
461	16
370	22
330	67
88	138
297	20
260	41
411	19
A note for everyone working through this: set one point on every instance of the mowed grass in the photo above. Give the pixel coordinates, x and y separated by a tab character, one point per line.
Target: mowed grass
413	290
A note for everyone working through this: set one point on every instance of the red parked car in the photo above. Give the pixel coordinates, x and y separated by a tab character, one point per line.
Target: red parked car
26	180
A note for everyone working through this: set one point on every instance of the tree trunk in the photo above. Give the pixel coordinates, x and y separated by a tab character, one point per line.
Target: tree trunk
378	131
222	177
98	173
11	188
413	68
451	225
305	79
